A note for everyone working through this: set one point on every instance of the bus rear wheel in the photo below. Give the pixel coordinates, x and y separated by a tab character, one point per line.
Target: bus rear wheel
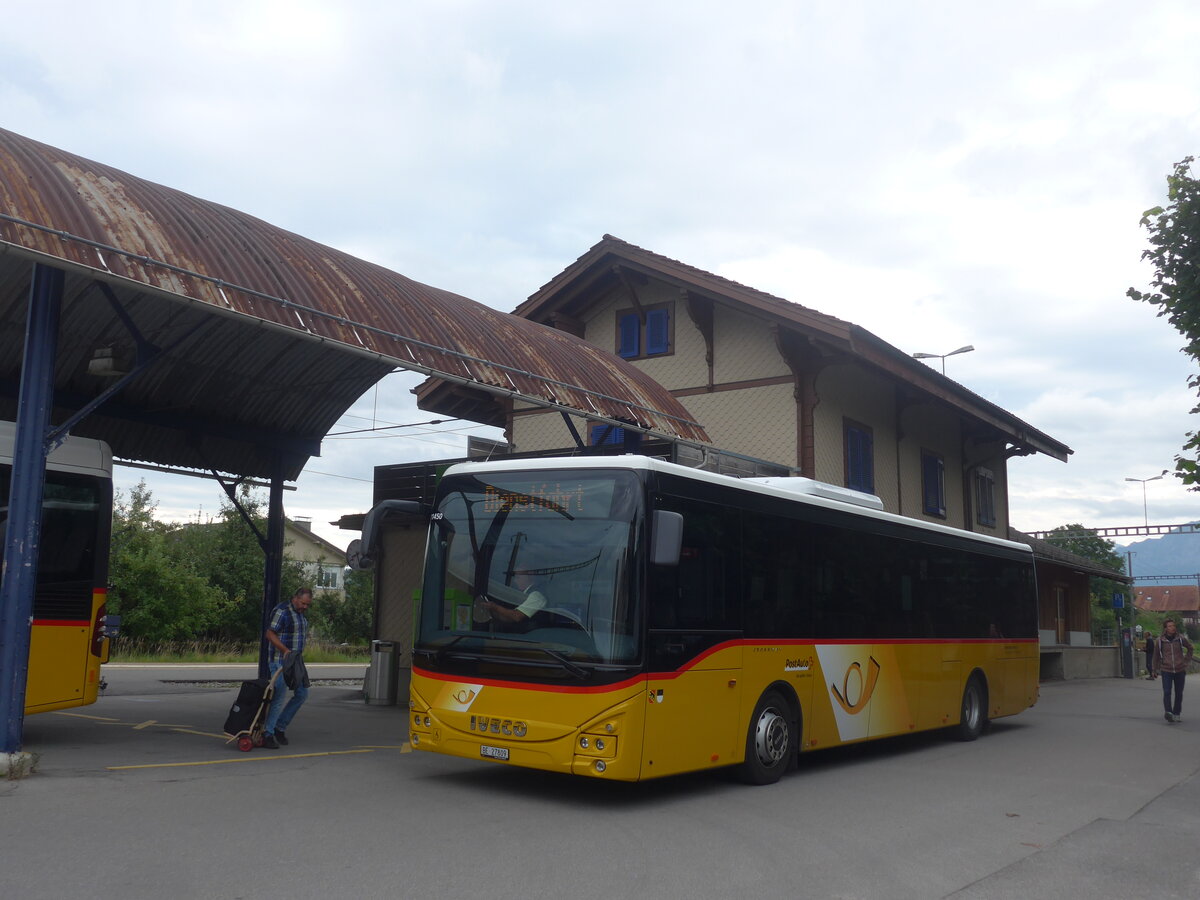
771	741
973	714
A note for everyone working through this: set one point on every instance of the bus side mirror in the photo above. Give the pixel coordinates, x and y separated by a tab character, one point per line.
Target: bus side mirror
362	552
667	538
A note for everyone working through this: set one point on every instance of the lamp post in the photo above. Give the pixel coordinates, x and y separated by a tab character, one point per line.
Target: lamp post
1142	481
942	356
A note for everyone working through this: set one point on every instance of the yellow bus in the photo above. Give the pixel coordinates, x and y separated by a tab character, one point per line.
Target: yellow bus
68	641
627	618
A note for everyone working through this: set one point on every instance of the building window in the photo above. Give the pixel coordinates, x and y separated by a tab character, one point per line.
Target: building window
860	457
640	336
603	435
985	497
329	576
933	484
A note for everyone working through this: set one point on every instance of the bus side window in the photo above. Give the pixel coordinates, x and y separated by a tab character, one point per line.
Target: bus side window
696	593
777	568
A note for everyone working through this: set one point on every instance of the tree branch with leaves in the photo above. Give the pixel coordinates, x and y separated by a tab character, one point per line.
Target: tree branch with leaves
1175	288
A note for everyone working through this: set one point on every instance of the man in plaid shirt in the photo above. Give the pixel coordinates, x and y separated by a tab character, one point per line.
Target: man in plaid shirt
286	635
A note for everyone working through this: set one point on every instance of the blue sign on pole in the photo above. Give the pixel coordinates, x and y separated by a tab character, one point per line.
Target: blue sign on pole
1118	600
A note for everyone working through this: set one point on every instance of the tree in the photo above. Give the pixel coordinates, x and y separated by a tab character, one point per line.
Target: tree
1175	288
193	581
158	596
1083	542
347	621
227	552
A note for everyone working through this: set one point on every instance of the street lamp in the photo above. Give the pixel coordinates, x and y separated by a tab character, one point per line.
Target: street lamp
1142	481
942	356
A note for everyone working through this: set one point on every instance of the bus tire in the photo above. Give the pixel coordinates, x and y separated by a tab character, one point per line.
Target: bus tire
771	740
973	712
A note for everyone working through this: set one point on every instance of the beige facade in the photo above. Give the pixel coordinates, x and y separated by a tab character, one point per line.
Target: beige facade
324	563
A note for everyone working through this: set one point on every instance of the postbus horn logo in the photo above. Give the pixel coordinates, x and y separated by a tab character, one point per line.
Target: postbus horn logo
867	688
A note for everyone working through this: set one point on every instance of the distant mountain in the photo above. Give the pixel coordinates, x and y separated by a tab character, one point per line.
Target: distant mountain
1171	554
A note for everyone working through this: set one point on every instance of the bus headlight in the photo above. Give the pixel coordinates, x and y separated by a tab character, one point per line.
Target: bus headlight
583	742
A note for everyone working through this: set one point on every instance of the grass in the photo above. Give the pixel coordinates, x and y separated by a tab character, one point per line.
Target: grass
138	650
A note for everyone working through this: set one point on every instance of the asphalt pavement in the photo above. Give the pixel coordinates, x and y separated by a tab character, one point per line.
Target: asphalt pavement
1089	794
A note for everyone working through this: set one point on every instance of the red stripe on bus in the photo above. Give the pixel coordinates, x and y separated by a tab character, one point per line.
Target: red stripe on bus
73	623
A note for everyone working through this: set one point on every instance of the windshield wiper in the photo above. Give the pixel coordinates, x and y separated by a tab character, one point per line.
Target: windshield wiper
441	651
576	670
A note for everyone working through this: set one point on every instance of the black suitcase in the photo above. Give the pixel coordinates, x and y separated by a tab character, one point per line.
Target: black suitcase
250	701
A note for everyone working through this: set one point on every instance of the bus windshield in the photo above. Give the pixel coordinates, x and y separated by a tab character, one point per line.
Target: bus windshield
532	568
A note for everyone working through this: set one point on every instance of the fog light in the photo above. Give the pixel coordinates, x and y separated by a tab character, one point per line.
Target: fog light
583	742
599	743
416	738
601	765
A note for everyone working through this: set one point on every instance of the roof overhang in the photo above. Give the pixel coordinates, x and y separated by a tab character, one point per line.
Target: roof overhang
250	341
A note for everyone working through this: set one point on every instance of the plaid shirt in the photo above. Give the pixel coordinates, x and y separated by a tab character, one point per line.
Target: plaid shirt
291	626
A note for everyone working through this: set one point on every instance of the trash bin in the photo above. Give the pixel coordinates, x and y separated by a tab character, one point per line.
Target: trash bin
381	676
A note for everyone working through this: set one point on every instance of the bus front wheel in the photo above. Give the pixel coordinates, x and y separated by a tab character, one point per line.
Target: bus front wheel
770	742
973	715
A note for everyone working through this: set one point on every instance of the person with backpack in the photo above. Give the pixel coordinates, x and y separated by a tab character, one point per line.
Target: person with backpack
1172	653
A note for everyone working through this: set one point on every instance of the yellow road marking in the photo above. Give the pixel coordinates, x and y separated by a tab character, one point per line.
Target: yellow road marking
84	716
182	730
243	759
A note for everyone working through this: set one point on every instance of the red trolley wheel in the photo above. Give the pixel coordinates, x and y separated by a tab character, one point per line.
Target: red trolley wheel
245	744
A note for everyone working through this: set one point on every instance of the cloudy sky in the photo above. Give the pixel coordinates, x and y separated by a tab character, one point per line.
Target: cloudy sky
937	173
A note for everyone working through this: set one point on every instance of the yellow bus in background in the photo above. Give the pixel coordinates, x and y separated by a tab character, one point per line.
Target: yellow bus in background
68	641
627	618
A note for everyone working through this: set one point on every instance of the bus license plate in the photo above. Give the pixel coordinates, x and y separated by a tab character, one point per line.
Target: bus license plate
493	752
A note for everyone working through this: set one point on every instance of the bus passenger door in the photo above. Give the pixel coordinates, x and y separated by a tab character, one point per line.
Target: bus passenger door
692	712
694	651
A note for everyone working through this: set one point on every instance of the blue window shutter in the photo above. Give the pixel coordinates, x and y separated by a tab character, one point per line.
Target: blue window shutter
603	434
629	332
933	485
860	460
658	332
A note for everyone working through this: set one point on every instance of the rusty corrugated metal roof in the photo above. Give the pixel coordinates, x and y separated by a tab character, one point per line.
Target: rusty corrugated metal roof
272	335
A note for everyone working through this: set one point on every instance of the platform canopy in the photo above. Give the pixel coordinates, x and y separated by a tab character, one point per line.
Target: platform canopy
245	339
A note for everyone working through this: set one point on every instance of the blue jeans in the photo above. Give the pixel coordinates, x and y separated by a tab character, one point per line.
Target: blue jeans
279	717
1176	679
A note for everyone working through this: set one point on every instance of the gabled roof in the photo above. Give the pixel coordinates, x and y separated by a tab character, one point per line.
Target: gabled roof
260	338
577	287
305	532
1168	598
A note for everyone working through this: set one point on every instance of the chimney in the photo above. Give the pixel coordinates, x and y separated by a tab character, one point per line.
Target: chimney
304	523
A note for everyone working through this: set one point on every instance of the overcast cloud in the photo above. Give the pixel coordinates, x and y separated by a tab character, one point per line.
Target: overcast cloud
937	173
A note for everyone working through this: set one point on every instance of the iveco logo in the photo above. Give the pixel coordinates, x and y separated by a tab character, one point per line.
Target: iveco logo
493	725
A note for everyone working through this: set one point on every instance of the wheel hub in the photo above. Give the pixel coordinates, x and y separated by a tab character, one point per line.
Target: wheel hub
771	737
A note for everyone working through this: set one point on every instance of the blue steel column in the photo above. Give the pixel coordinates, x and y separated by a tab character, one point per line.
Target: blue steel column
273	568
18	583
